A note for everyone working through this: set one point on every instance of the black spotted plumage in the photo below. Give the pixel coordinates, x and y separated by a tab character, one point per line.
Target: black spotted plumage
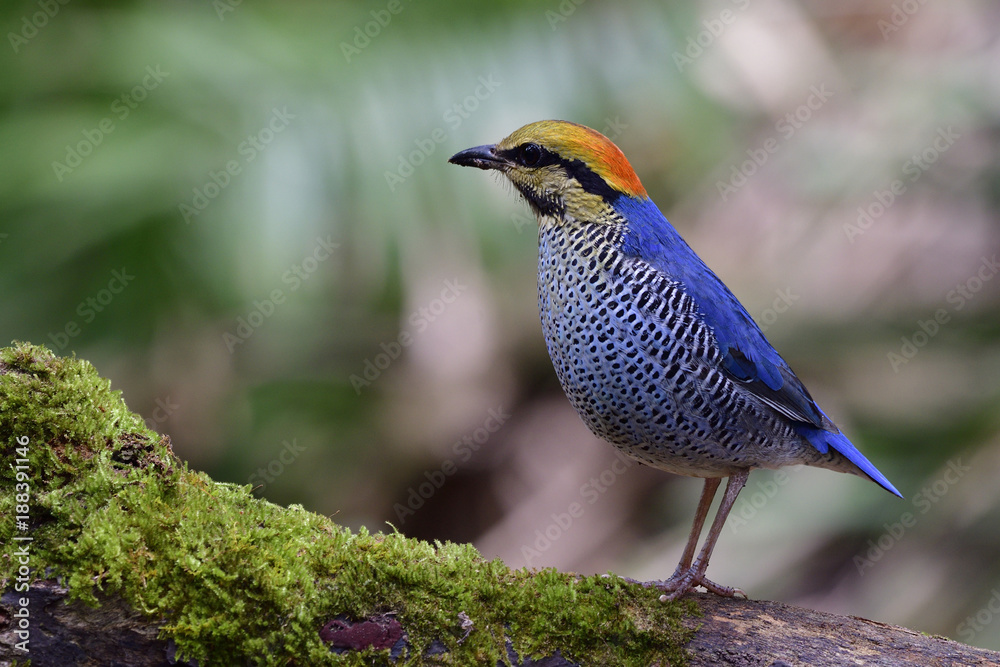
640	365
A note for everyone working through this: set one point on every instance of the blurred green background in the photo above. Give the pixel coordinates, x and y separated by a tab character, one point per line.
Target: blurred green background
243	215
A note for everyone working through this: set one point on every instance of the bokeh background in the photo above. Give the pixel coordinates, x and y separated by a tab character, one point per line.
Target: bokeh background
242	214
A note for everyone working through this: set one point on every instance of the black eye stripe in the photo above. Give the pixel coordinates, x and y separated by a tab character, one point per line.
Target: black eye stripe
589	179
517	155
577	169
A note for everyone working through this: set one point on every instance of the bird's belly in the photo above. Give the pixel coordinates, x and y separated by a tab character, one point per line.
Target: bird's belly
635	362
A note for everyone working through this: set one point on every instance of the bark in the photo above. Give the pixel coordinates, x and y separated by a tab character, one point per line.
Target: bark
752	633
164	554
742	633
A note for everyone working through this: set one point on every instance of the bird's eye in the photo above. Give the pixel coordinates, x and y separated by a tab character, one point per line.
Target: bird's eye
530	154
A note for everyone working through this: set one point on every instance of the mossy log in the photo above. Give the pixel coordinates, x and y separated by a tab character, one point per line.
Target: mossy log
117	553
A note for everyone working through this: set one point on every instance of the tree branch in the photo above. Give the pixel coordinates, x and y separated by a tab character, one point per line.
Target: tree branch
117	553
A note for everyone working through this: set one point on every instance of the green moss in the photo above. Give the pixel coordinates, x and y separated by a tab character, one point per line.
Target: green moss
234	578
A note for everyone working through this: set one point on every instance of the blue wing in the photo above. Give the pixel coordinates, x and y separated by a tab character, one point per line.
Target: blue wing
747	356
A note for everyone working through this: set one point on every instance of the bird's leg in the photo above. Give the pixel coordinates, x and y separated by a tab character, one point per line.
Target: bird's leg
695	575
677	579
707	496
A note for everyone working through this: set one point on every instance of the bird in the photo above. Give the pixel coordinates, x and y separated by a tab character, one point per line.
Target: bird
658	357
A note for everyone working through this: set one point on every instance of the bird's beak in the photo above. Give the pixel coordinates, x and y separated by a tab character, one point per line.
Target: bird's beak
483	157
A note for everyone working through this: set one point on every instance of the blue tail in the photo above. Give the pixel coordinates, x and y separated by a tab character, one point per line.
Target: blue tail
823	440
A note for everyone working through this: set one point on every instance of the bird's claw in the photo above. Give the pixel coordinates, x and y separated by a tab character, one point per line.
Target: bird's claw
683	581
680	583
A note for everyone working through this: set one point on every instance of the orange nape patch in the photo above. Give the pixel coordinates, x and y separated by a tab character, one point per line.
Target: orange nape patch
579	142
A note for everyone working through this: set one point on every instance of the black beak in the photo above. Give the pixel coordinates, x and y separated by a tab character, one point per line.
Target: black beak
483	157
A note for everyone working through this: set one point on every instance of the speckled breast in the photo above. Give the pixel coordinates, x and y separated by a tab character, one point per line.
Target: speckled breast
634	358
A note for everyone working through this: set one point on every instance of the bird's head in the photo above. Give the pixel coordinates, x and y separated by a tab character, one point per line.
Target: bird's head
564	170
